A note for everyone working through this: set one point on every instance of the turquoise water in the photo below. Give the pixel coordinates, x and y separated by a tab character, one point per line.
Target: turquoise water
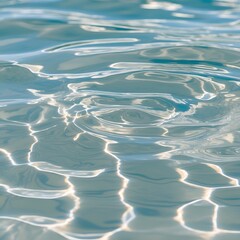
119	120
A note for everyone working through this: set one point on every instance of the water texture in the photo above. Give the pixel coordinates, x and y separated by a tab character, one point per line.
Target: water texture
119	120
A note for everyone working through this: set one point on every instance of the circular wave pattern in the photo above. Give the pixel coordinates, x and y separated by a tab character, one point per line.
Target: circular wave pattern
119	119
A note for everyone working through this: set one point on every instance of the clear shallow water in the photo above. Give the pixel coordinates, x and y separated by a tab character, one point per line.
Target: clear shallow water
119	119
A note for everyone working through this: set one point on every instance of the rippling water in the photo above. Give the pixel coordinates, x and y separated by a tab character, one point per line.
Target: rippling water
119	120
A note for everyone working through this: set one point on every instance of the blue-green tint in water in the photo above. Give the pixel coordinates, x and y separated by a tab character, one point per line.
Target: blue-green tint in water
119	120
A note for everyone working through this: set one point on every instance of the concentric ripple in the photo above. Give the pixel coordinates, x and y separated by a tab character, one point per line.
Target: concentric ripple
119	119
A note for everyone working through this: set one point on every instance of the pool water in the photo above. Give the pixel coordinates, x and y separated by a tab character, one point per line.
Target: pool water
119	120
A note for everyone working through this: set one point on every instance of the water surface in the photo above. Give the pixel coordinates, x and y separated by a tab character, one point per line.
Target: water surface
119	120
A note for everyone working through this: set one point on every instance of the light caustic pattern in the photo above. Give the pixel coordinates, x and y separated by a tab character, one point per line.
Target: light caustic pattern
60	226
119	125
